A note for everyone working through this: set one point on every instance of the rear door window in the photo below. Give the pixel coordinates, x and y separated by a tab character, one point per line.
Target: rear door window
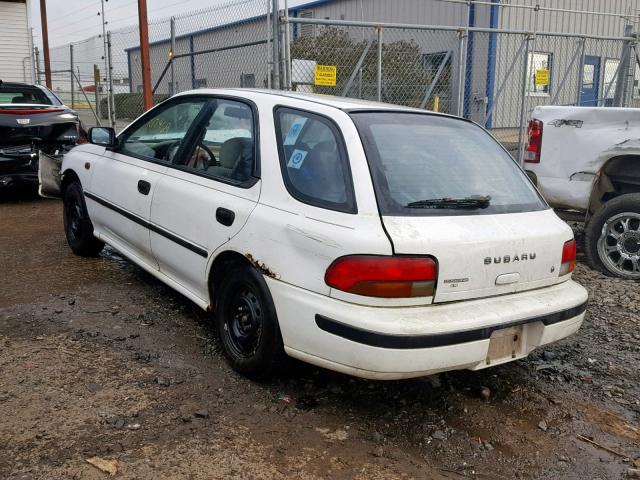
314	161
423	164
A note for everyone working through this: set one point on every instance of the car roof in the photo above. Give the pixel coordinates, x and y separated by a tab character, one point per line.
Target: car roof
342	103
17	84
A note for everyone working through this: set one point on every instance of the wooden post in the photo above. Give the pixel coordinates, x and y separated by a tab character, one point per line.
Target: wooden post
144	54
45	43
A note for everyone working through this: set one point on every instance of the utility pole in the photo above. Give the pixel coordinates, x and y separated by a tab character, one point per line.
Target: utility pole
287	48
111	100
144	54
276	44
625	70
268	35
173	89
45	43
107	72
96	84
37	64
73	97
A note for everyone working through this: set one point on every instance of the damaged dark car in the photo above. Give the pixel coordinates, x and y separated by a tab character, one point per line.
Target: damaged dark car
33	122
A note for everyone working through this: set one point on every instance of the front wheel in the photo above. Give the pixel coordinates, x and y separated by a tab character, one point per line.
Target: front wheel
247	324
77	224
613	237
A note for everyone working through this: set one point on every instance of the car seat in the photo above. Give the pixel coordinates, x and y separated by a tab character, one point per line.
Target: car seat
320	176
235	160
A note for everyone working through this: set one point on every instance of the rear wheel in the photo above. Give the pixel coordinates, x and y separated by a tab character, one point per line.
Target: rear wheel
613	237
247	324
77	224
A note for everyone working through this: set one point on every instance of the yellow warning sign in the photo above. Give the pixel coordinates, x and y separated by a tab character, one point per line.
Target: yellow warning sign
325	75
542	77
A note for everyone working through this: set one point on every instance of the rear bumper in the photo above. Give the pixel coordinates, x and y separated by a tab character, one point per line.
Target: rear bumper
403	342
18	169
11	179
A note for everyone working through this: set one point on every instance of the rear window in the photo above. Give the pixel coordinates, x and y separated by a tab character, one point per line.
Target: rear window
418	159
23	95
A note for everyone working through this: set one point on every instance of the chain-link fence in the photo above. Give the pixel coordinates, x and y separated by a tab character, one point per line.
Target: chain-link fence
492	75
416	66
73	77
222	46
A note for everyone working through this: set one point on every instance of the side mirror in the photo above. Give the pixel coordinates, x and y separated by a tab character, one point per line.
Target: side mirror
103	136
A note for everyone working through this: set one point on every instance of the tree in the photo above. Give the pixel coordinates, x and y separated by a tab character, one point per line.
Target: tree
404	77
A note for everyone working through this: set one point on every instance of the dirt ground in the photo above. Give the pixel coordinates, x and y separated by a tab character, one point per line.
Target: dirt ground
99	359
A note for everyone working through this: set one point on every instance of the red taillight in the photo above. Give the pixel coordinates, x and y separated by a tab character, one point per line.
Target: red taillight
568	258
386	277
30	111
534	147
82	135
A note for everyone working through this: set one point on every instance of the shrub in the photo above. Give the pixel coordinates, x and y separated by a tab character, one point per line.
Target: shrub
129	106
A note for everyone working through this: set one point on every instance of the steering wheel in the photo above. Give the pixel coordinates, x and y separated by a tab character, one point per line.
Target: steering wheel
171	151
212	157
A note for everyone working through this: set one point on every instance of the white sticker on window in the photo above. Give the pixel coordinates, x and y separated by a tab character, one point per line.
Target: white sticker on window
297	159
294	131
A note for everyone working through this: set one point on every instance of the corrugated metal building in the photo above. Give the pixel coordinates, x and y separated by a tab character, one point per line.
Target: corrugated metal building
572	80
232	66
15	41
493	62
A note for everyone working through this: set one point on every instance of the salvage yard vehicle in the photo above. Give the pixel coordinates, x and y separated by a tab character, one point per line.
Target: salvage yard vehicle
32	121
586	162
376	240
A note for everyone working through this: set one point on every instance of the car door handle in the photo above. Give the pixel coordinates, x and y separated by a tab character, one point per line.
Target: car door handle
144	187
225	216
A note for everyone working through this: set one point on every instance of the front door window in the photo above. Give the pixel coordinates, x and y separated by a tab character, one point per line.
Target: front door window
223	144
159	136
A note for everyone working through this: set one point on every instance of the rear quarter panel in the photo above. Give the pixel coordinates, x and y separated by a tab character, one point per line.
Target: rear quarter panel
295	242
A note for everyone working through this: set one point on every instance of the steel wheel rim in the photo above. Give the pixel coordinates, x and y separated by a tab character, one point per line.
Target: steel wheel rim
74	215
619	244
243	322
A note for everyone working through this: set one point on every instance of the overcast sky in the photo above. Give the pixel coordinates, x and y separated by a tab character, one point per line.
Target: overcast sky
74	20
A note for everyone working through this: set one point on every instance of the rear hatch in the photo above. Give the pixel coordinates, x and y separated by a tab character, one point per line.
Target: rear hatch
22	124
445	188
485	255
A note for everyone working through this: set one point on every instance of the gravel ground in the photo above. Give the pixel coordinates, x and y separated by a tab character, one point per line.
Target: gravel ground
99	359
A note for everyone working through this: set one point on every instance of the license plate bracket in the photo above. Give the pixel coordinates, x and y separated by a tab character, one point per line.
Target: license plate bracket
505	344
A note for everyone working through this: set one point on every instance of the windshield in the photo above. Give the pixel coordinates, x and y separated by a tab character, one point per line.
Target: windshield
425	164
26	94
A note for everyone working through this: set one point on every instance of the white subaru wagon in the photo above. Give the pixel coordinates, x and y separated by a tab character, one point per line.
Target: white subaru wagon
376	240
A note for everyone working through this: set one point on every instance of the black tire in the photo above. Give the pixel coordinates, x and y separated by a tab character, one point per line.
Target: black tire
247	324
604	250
77	224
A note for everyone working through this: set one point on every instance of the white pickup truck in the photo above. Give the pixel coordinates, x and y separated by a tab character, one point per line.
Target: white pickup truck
586	161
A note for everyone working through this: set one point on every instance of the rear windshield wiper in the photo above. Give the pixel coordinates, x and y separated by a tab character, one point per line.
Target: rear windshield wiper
472	202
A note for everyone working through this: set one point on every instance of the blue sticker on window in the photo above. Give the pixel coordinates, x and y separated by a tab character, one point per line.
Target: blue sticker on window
297	159
294	131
